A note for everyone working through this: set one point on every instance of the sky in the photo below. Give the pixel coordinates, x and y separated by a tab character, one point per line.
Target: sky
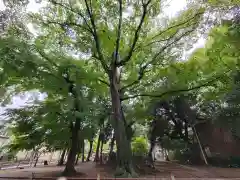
171	10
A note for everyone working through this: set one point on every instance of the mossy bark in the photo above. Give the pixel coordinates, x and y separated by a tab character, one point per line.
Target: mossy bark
124	155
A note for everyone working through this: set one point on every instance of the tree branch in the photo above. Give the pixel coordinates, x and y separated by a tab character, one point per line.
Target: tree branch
140	76
104	82
43	55
96	38
118	31
136	34
142	69
73	11
69	24
209	83
169	28
180	24
160	40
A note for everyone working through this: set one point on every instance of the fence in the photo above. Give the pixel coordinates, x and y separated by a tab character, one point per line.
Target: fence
103	178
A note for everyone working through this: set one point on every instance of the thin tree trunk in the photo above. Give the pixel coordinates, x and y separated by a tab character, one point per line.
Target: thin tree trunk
66	154
78	153
101	155
112	145
90	150
186	132
50	159
166	155
96	159
37	157
61	160
33	157
150	152
76	162
23	160
83	151
69	169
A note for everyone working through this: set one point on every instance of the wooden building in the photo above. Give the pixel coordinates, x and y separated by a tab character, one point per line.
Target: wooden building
218	141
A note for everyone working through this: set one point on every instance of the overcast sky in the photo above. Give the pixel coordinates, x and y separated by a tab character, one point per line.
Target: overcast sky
174	6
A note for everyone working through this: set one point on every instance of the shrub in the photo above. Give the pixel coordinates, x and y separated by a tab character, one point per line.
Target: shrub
139	146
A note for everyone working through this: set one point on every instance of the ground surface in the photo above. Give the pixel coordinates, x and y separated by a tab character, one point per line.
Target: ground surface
164	169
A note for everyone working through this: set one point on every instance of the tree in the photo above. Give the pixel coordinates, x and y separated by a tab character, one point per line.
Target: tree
80	54
61	80
100	30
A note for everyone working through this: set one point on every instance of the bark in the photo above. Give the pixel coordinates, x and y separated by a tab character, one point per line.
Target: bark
90	150
61	161
83	151
124	156
96	159
101	155
69	169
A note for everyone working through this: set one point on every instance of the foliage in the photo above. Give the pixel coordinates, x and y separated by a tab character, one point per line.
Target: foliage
139	146
228	115
104	67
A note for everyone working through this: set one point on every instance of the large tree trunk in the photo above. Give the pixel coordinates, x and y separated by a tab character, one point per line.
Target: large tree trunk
96	159
90	150
124	156
61	160
69	169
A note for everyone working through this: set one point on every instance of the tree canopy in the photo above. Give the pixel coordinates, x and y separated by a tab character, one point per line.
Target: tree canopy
109	67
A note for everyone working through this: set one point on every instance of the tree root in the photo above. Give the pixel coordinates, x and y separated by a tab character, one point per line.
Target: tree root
69	172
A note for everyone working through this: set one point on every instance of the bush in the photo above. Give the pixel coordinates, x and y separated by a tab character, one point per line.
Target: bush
190	154
232	161
139	146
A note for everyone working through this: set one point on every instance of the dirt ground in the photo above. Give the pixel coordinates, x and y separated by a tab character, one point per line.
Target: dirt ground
163	170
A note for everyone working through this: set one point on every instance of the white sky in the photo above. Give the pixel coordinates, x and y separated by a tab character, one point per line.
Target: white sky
174	6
